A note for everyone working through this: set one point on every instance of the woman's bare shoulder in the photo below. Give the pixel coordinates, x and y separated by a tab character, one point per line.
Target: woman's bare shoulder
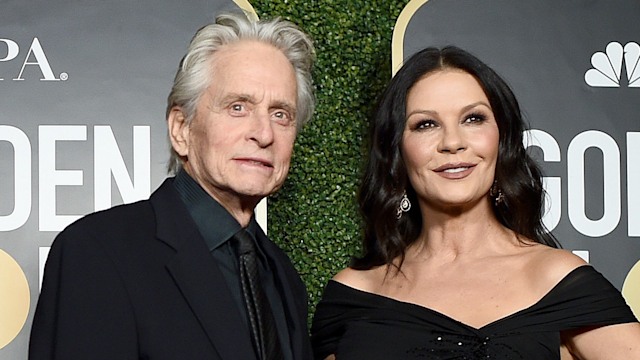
551	265
365	280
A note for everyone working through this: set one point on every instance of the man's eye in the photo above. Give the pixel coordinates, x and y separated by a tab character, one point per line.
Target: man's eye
238	109
282	117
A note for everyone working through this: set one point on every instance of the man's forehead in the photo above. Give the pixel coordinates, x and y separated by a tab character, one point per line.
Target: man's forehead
251	91
252	71
225	95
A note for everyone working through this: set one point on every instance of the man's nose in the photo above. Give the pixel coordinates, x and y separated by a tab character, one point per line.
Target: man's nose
261	129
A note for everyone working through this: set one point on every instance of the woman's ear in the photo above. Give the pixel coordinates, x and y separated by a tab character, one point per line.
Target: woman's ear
178	131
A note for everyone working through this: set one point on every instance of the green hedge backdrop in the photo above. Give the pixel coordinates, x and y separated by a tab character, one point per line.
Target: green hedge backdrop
314	217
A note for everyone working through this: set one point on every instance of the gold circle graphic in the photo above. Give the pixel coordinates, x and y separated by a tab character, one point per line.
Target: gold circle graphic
14	299
631	289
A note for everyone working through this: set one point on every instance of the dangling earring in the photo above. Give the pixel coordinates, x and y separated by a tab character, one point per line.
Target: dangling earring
405	205
496	193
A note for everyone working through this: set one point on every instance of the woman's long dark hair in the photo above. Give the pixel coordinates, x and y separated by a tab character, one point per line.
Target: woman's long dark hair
385	179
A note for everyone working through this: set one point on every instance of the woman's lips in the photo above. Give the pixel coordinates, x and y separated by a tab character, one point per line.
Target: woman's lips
455	171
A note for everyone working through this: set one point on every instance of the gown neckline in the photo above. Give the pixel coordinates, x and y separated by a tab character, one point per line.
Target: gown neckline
482	328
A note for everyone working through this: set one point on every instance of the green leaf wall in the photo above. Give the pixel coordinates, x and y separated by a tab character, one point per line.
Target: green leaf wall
314	217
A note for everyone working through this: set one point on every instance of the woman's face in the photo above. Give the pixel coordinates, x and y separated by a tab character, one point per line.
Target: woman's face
450	140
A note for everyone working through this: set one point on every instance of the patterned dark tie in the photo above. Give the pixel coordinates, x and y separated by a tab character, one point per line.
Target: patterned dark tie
261	321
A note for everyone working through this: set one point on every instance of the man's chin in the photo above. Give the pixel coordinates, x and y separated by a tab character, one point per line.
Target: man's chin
256	192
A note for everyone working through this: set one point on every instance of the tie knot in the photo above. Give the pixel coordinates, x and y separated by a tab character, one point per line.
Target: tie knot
244	242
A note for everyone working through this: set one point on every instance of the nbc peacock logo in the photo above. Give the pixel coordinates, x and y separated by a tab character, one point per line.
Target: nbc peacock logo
607	68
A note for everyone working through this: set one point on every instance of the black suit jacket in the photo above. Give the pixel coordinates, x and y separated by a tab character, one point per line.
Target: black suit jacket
138	282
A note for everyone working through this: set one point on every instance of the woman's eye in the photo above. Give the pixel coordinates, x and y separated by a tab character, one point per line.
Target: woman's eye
425	124
474	118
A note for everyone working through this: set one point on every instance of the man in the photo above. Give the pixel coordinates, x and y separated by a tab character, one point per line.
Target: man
162	278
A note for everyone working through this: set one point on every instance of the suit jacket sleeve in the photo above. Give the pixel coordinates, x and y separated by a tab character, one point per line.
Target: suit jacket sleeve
83	311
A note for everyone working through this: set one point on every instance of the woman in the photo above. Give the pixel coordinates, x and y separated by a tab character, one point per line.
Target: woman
457	263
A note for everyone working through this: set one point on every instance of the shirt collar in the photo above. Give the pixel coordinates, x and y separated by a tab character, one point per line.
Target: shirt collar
215	223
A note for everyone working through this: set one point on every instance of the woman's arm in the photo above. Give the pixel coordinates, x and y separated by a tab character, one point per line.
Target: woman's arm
621	341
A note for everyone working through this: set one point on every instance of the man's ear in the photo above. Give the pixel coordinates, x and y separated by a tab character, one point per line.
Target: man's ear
178	131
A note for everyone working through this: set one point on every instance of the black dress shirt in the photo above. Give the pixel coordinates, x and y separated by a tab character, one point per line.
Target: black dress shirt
217	227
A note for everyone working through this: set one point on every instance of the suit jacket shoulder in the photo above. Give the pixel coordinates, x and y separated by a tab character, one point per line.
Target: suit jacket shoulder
137	280
134	281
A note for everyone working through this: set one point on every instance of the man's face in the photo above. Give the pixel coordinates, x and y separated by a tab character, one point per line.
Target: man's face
239	145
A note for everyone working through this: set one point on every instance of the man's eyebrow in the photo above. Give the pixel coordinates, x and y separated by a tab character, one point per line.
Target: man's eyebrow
290	108
232	97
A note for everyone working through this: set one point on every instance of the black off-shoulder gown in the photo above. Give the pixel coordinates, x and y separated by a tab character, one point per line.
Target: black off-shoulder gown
357	325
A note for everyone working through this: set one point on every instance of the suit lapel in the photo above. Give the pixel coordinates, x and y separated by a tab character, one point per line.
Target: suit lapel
198	277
